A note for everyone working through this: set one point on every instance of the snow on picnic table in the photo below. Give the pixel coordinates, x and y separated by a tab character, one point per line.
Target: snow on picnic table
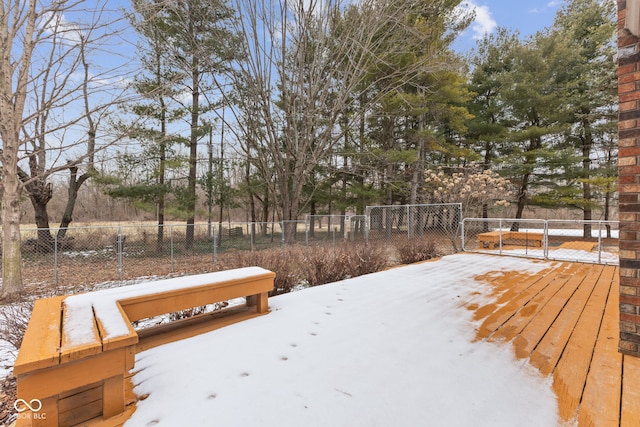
390	348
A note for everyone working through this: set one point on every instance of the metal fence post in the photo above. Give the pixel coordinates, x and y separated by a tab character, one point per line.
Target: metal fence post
367	218
306	236
119	249
409	222
171	248
545	240
284	233
599	242
253	236
215	247
55	258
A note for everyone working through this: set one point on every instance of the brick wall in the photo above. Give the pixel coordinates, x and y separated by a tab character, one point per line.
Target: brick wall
629	184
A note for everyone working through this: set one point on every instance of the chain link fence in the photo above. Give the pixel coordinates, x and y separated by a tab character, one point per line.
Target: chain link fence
439	223
334	229
54	257
99	254
562	240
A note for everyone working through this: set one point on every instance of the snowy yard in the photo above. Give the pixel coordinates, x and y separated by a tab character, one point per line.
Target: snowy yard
390	348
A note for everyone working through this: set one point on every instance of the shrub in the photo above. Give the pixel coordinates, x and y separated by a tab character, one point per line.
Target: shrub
326	265
330	264
285	263
368	259
416	250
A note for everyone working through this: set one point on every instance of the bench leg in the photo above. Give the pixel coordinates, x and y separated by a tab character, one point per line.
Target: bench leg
263	302
252	300
47	416
113	396
260	301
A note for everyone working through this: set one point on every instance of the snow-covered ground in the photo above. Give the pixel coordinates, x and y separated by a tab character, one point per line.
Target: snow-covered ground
8	355
390	348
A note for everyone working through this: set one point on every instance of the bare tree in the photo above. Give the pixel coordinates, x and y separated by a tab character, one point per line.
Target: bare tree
306	61
50	107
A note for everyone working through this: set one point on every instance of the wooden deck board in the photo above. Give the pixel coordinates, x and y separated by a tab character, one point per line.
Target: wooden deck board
630	414
499	317
536	329
564	321
600	404
505	287
546	355
531	309
570	375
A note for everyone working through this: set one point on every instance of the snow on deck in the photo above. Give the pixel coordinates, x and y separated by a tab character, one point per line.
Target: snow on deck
390	348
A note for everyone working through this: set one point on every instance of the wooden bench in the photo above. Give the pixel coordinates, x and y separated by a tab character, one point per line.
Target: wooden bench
78	350
494	238
235	232
579	246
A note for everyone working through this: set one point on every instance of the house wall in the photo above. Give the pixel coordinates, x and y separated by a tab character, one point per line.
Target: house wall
629	181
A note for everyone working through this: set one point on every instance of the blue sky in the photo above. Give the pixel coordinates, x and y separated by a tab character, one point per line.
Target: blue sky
527	16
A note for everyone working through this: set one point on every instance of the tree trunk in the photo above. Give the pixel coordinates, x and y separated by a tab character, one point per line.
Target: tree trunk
72	196
40	194
522	200
607	202
193	155
12	102
265	214
11	250
290	217
312	219
488	158
534	144
417	179
586	185
389	214
161	175
252	201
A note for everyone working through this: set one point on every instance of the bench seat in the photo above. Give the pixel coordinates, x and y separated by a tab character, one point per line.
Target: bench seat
495	238
84	345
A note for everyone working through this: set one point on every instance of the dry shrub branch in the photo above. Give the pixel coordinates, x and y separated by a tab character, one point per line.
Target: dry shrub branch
14	318
416	250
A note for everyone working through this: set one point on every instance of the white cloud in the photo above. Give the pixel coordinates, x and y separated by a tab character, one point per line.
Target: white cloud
56	23
483	22
550	5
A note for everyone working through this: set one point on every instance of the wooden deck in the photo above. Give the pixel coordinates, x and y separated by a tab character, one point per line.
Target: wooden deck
564	321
